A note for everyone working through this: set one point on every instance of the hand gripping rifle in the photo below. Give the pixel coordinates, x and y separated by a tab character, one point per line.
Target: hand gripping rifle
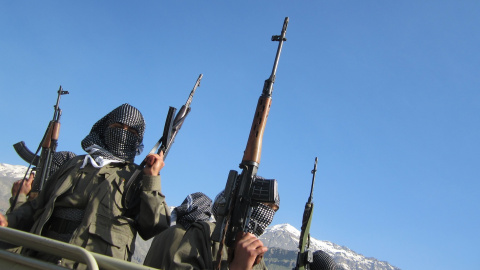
234	212
305	256
48	145
170	131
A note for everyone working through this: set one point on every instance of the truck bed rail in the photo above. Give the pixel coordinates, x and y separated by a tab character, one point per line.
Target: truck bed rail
91	259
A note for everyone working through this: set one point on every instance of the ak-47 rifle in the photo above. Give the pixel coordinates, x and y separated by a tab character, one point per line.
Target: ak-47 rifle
305	256
234	212
170	131
48	145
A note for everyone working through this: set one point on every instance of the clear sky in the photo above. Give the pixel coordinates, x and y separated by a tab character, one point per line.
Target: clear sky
384	93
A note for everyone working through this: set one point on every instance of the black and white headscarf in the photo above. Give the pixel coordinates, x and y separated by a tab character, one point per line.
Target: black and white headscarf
322	261
219	199
261	215
107	144
196	207
59	158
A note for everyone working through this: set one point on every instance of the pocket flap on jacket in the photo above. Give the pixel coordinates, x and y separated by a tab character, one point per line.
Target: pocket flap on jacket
118	236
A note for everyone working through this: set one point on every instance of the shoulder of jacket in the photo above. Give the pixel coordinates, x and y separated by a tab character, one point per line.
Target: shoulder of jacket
206	226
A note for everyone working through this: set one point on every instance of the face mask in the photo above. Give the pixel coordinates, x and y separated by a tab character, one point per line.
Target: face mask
261	217
121	143
116	144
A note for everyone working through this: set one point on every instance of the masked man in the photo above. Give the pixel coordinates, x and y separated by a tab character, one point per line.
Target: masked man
198	251
196	207
81	203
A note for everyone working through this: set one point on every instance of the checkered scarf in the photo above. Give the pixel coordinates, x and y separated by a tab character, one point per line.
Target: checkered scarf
108	144
219	199
261	215
322	261
196	207
58	159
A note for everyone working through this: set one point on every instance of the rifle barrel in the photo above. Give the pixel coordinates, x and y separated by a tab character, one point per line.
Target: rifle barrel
57	112
314	171
304	255
268	87
190	97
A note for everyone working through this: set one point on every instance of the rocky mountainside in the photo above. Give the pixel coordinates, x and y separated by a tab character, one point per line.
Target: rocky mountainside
281	239
8	174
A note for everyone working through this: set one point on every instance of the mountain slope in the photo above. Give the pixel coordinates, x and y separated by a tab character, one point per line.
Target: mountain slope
284	238
8	175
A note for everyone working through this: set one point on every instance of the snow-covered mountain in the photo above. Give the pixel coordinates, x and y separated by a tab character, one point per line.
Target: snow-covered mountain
282	239
285	237
8	175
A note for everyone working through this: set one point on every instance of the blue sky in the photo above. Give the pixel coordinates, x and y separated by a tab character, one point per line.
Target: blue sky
384	93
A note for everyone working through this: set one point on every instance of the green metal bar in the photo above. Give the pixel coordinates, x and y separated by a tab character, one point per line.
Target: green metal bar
61	249
9	260
48	245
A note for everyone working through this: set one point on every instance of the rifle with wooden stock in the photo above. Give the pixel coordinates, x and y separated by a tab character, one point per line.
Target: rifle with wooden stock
234	211
48	146
305	256
170	131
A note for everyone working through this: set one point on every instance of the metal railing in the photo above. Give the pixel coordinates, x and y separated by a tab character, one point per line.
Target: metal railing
60	249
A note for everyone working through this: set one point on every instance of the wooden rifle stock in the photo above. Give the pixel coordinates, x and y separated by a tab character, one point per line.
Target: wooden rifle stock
253	150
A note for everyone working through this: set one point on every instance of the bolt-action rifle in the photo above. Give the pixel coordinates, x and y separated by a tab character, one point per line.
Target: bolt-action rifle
305	256
48	145
170	131
234	212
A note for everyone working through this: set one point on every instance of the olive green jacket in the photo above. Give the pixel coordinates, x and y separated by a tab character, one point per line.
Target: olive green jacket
22	198
198	251
104	229
163	247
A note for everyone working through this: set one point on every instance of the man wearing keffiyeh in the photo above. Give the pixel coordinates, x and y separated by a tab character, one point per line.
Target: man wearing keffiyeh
196	207
81	202
197	251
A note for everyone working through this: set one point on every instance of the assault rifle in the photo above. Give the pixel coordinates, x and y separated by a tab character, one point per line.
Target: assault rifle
234	212
170	131
48	145
305	256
